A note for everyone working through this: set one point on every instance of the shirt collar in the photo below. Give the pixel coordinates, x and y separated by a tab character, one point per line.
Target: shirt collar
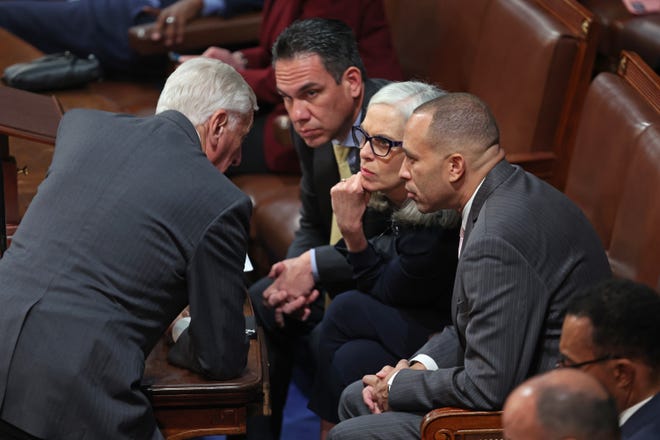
628	412
348	141
468	206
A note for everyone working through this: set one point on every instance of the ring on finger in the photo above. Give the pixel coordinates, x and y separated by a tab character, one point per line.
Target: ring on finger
171	19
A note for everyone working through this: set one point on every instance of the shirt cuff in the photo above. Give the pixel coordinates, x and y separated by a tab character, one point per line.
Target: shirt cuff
179	327
214	7
315	269
389	382
425	360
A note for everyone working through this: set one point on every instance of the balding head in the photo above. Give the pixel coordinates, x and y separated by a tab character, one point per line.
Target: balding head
461	122
451	143
560	404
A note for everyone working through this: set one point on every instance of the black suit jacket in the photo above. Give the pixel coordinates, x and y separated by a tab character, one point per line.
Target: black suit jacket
319	175
131	224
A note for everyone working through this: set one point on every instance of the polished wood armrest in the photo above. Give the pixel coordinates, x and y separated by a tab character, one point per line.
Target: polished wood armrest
200	33
455	423
188	405
23	115
29	115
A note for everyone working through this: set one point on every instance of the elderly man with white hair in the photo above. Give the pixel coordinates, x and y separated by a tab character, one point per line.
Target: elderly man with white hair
133	222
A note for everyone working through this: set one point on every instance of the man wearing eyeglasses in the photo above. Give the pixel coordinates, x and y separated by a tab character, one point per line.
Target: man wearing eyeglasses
611	332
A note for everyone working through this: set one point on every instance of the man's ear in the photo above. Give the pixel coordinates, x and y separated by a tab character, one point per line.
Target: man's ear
353	77
456	164
218	123
624	373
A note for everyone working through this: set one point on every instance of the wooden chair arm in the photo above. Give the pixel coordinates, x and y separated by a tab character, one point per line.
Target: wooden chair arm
455	423
200	33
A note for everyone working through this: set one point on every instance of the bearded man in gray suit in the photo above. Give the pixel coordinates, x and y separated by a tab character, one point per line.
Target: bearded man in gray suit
526	250
134	221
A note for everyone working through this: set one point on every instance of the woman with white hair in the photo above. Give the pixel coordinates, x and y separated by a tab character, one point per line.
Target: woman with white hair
404	290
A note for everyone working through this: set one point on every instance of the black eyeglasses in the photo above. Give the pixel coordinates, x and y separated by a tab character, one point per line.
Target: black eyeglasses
563	362
380	145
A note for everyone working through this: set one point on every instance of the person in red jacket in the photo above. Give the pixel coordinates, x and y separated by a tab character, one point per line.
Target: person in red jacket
261	150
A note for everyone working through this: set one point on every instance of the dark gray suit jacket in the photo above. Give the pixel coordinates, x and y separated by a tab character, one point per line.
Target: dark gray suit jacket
131	224
319	175
527	250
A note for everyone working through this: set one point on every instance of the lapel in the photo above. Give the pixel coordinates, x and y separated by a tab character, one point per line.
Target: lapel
493	180
495	177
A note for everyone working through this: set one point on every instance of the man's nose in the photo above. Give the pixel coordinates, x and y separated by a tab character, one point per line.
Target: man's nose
299	111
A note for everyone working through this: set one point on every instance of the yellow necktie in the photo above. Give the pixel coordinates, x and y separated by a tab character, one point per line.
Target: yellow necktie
341	156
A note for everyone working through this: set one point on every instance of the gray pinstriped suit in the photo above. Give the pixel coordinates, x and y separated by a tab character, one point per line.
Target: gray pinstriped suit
527	250
131	223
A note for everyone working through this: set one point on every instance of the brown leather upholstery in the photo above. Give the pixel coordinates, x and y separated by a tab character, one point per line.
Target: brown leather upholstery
618	110
454	424
275	215
613	118
529	60
276	222
634	251
200	33
444	52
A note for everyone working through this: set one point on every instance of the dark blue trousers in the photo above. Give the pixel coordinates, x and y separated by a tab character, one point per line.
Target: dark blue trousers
359	335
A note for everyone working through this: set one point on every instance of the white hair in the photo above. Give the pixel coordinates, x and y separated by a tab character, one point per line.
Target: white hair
201	86
406	96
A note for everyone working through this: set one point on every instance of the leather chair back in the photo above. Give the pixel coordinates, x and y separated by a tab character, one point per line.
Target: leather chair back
635	246
613	118
531	62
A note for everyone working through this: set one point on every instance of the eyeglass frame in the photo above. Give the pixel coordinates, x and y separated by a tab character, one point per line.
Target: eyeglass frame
561	363
390	143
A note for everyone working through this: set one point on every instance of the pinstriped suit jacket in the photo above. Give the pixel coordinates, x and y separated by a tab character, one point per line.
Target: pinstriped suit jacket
131	223
527	250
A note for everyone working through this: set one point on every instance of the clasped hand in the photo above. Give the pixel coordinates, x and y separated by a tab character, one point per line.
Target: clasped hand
376	390
292	290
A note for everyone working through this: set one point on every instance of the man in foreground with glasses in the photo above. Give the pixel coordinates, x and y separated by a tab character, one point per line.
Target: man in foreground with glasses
526	249
611	332
558	405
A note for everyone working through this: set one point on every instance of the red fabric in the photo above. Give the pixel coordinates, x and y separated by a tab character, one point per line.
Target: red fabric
368	21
